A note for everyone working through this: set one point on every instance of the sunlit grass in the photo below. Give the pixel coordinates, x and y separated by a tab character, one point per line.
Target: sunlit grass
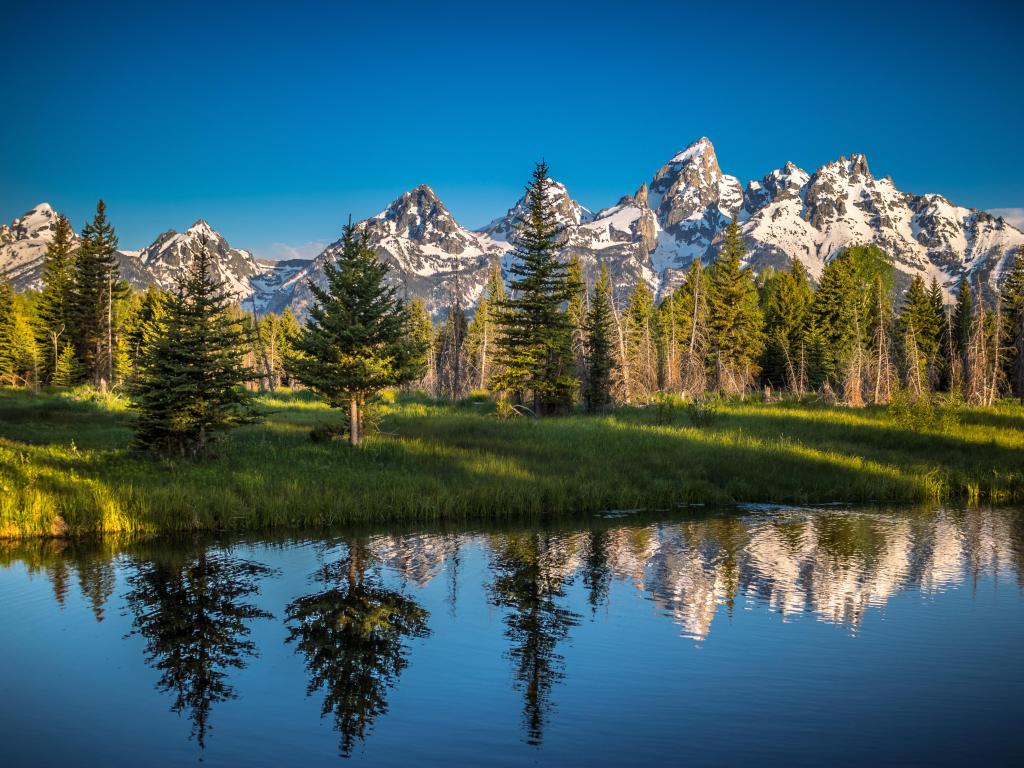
65	464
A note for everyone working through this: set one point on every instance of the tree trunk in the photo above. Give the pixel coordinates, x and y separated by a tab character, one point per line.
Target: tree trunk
353	420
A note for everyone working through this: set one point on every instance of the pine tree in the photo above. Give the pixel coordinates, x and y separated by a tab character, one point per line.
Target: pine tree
881	373
1013	324
735	323
65	373
576	309
832	334
481	336
358	338
142	325
919	330
600	326
18	358
8	332
421	331
188	386
95	287
787	302
535	348
641	349
963	318
54	306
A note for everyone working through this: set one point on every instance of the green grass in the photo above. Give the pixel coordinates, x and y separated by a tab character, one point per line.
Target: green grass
65	464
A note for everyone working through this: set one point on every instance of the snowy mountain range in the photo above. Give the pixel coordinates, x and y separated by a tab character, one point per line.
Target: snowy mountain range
652	235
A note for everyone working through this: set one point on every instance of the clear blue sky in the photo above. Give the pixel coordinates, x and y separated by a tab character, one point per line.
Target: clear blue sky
274	121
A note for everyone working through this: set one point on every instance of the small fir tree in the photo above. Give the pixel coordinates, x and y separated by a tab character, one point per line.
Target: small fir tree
188	386
358	338
54	305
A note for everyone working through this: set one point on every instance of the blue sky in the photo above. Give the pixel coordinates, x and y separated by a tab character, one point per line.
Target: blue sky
275	121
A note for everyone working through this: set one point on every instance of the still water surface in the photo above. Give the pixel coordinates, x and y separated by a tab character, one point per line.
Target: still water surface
761	636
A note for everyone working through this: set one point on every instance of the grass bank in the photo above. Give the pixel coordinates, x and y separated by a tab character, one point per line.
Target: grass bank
65	464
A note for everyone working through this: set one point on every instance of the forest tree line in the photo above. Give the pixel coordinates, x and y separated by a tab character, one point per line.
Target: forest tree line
540	341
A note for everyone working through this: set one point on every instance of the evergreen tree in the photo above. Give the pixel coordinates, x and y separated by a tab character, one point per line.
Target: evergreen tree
963	317
18	358
421	331
735	323
600	326
940	364
576	309
833	332
691	313
95	287
481	336
1013	324
919	331
358	337
641	348
535	348
787	299
65	373
188	386
8	332
54	307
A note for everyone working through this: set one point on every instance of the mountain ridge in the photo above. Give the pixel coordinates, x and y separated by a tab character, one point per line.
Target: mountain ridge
652	235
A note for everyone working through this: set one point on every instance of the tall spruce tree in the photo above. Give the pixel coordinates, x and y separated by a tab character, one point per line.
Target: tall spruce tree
641	343
600	327
358	338
8	332
1012	295
735	324
54	305
96	285
919	331
535	348
188	385
787	300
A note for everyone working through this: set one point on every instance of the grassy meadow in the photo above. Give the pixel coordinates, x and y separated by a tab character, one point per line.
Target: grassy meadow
66	466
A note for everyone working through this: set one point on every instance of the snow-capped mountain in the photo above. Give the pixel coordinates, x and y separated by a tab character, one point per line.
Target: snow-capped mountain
23	244
653	235
790	214
165	259
432	255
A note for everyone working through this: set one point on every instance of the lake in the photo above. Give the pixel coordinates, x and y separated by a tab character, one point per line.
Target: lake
758	635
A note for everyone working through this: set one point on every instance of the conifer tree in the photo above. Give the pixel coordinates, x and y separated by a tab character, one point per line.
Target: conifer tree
641	349
54	306
358	338
833	336
535	349
576	309
787	302
940	363
920	331
8	332
142	325
1012	332
734	316
963	318
188	386
18	357
600	327
421	331
481	336
95	287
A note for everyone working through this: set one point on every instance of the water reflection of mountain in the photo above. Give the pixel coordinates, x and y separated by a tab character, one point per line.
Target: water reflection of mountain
832	564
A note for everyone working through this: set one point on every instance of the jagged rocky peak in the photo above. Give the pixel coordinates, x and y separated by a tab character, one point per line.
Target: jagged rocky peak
34	223
783	183
417	213
692	182
568	212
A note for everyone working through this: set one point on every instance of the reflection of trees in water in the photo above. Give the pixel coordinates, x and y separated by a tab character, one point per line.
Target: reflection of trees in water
61	560
193	613
530	572
353	636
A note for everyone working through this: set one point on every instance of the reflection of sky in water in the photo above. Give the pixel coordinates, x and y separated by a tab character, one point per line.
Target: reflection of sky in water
560	646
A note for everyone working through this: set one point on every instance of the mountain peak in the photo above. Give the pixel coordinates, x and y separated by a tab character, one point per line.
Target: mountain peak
202	228
695	149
